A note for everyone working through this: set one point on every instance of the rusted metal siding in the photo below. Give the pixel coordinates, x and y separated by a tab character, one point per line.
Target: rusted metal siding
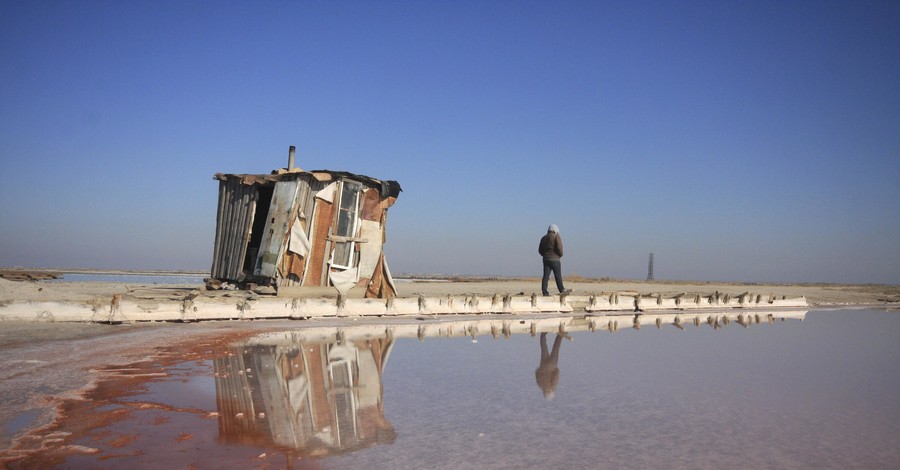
237	206
307	187
315	271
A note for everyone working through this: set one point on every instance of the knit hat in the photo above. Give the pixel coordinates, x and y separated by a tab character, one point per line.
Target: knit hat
553	228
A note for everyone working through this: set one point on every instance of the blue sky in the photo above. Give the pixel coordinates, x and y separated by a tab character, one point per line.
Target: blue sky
736	140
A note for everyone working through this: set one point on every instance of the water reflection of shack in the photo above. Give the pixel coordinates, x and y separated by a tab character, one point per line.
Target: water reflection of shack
318	398
303	228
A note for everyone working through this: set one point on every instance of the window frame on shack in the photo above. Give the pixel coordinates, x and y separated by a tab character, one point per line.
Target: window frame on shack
348	246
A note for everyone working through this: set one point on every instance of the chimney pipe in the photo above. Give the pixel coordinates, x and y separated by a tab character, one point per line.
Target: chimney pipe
291	157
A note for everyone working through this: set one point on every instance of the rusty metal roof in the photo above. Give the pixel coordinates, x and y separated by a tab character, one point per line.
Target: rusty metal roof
389	188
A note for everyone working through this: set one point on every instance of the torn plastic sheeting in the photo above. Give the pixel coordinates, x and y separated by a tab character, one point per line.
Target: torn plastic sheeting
327	193
299	242
370	251
344	280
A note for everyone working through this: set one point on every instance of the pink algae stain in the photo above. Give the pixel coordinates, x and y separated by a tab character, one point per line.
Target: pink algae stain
123	441
117	432
159	420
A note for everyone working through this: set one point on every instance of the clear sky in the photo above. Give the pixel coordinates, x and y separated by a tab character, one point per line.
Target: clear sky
736	140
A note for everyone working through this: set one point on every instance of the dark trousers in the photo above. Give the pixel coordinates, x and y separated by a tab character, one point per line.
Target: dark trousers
556	267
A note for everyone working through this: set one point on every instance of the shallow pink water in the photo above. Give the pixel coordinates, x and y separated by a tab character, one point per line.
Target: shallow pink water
821	393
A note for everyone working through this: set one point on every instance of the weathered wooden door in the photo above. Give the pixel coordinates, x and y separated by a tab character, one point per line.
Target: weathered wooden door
275	235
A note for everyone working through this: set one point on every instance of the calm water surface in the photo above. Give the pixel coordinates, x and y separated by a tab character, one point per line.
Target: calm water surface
823	392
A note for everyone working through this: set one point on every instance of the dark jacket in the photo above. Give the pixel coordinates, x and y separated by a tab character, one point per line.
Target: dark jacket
551	247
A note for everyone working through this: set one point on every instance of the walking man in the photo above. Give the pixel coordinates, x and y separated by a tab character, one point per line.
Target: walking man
551	249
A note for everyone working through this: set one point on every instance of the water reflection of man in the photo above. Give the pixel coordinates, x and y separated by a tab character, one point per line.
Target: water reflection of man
547	374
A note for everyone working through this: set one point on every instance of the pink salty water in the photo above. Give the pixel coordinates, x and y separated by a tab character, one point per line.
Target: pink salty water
819	393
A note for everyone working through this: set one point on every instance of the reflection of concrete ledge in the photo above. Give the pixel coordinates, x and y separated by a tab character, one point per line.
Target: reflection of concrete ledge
124	309
640	302
497	326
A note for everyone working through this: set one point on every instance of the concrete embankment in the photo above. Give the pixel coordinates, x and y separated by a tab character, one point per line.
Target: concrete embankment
117	302
121	308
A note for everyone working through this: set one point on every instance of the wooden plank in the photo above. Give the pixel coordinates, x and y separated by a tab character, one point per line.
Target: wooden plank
278	222
338	238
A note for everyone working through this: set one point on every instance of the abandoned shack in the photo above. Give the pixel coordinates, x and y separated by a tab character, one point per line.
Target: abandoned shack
303	228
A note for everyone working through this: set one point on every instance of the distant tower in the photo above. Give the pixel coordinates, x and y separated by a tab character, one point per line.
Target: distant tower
650	268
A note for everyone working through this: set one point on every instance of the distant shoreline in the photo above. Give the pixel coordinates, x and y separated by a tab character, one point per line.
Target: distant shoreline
129	272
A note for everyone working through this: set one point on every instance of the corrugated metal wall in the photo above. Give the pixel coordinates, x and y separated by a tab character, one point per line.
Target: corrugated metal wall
237	205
